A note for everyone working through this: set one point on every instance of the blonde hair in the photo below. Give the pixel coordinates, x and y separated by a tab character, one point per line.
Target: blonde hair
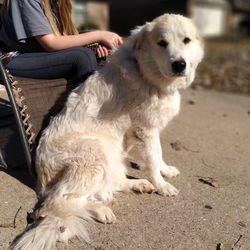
5	4
64	16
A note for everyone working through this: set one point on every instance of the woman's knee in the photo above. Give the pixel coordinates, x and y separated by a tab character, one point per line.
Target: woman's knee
84	63
85	59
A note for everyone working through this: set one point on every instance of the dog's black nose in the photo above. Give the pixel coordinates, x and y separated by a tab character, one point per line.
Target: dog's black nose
178	66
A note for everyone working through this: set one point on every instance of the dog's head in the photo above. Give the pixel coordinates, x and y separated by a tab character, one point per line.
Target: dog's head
168	48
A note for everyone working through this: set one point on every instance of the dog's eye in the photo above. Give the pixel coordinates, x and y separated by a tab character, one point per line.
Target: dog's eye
186	40
162	43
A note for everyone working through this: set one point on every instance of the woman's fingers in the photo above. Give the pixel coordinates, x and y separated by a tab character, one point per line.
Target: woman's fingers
98	51
117	41
102	51
106	51
120	40
110	39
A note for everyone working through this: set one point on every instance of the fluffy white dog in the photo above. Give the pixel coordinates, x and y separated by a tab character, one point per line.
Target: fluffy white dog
116	114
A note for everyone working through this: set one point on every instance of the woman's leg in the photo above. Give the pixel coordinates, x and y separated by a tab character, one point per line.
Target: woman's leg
74	64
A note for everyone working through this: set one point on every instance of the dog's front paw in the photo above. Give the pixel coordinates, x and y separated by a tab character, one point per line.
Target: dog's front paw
169	171
142	186
167	190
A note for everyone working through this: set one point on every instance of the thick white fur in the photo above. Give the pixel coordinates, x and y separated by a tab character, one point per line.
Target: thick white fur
116	114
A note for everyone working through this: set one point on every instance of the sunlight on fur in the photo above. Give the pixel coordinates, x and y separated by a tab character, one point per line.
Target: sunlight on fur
115	117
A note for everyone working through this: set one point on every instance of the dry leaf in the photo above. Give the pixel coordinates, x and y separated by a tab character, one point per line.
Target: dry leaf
242	224
176	145
208	206
209	181
191	102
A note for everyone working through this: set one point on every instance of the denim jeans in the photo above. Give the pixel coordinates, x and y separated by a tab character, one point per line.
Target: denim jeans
74	64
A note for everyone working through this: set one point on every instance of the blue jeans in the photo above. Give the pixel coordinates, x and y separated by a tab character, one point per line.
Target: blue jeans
74	64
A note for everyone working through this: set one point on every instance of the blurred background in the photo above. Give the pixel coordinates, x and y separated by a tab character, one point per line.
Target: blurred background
225	25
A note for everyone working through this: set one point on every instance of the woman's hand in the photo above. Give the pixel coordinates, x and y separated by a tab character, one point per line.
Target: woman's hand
102	51
110	39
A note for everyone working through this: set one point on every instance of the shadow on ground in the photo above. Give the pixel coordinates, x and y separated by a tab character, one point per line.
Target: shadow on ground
12	160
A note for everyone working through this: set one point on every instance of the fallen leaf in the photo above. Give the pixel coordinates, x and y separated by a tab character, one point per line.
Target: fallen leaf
191	102
209	181
242	224
176	145
208	206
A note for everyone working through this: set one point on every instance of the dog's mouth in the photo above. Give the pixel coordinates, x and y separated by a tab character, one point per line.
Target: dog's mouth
176	75
182	74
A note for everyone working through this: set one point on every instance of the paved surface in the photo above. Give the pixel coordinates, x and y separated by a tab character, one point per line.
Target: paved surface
210	138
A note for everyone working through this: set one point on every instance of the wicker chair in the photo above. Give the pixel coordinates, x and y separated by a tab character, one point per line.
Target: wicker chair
33	101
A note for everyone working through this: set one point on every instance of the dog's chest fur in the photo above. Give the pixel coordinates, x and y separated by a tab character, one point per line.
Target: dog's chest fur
156	111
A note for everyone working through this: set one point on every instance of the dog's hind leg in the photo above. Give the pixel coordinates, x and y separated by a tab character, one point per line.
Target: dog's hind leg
140	186
81	186
120	182
136	185
124	184
100	212
64	208
69	200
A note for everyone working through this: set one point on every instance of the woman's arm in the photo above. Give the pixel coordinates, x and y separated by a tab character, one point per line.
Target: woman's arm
54	43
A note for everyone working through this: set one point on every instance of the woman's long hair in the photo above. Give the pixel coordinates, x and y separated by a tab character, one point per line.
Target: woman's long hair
59	15
64	13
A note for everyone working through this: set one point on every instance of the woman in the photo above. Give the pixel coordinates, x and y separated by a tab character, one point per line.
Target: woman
39	40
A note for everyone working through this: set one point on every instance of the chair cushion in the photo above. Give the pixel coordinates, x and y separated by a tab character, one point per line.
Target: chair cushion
42	99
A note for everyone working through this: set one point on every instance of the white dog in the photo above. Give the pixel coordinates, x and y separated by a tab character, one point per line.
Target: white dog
119	111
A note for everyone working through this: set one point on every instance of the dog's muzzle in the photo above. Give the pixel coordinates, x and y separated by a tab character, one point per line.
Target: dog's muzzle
178	67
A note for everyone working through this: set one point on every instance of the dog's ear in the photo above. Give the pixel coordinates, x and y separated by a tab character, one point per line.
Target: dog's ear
200	50
138	36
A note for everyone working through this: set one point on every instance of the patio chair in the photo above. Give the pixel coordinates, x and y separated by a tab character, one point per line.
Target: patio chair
33	102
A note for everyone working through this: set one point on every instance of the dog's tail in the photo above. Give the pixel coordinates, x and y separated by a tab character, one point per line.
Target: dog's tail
60	224
64	210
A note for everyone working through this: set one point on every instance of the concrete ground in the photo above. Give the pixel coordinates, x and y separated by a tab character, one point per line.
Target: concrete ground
210	144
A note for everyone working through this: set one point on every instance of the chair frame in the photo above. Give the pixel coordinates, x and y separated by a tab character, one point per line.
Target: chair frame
6	78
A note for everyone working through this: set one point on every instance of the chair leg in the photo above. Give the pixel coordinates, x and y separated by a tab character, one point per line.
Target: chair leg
2	161
17	116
